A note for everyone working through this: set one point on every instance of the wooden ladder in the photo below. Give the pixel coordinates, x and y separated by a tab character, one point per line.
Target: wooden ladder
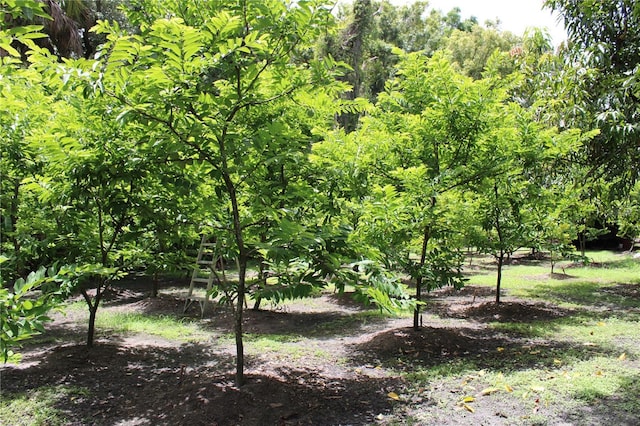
203	273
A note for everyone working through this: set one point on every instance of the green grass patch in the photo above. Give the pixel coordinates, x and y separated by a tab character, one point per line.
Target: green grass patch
349	324
582	328
167	327
280	346
37	407
595	283
587	381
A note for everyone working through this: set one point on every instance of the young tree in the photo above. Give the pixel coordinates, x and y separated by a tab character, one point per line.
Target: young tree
209	80
435	132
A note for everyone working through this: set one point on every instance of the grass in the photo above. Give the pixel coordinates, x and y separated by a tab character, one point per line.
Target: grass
586	360
279	346
168	327
578	285
589	357
37	407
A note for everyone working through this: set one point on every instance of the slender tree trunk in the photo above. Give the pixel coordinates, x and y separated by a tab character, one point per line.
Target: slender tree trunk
501	242
93	304
92	326
582	242
242	272
154	289
423	258
499	278
242	269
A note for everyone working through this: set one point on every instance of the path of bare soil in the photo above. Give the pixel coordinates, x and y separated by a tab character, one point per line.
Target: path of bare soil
340	367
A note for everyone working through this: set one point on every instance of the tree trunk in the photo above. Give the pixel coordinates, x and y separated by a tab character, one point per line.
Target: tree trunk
501	242
154	289
92	326
242	272
242	268
423	258
499	278
93	310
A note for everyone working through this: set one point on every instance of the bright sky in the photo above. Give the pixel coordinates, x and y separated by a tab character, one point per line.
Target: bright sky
514	15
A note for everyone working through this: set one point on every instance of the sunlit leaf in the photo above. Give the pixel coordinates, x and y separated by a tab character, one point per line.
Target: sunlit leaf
489	391
393	395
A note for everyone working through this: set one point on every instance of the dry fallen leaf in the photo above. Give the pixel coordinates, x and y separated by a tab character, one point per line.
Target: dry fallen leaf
508	388
469	408
489	391
601	324
393	395
623	356
537	388
468	399
500	349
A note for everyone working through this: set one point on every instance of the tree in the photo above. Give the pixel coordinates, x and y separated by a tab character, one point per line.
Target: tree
433	133
470	50
605	39
211	82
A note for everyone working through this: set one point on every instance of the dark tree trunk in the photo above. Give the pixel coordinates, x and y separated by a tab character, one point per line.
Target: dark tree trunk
239	311
92	326
154	289
423	258
501	242
499	278
582	242
242	268
93	304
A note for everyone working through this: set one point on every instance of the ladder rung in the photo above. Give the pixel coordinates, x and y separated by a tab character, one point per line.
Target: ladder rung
198	298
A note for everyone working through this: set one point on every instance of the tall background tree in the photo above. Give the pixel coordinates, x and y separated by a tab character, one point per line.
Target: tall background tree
605	39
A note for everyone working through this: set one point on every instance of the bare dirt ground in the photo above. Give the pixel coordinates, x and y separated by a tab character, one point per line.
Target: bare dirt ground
339	368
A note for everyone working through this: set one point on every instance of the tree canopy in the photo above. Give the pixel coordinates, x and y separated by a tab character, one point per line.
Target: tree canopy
366	147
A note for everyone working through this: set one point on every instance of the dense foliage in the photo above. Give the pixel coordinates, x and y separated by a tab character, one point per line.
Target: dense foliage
362	147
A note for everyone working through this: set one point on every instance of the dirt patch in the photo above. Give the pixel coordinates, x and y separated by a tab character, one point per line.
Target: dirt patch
341	364
518	311
631	291
426	343
477	303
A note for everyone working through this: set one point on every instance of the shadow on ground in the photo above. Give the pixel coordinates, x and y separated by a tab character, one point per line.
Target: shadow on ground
191	385
468	348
